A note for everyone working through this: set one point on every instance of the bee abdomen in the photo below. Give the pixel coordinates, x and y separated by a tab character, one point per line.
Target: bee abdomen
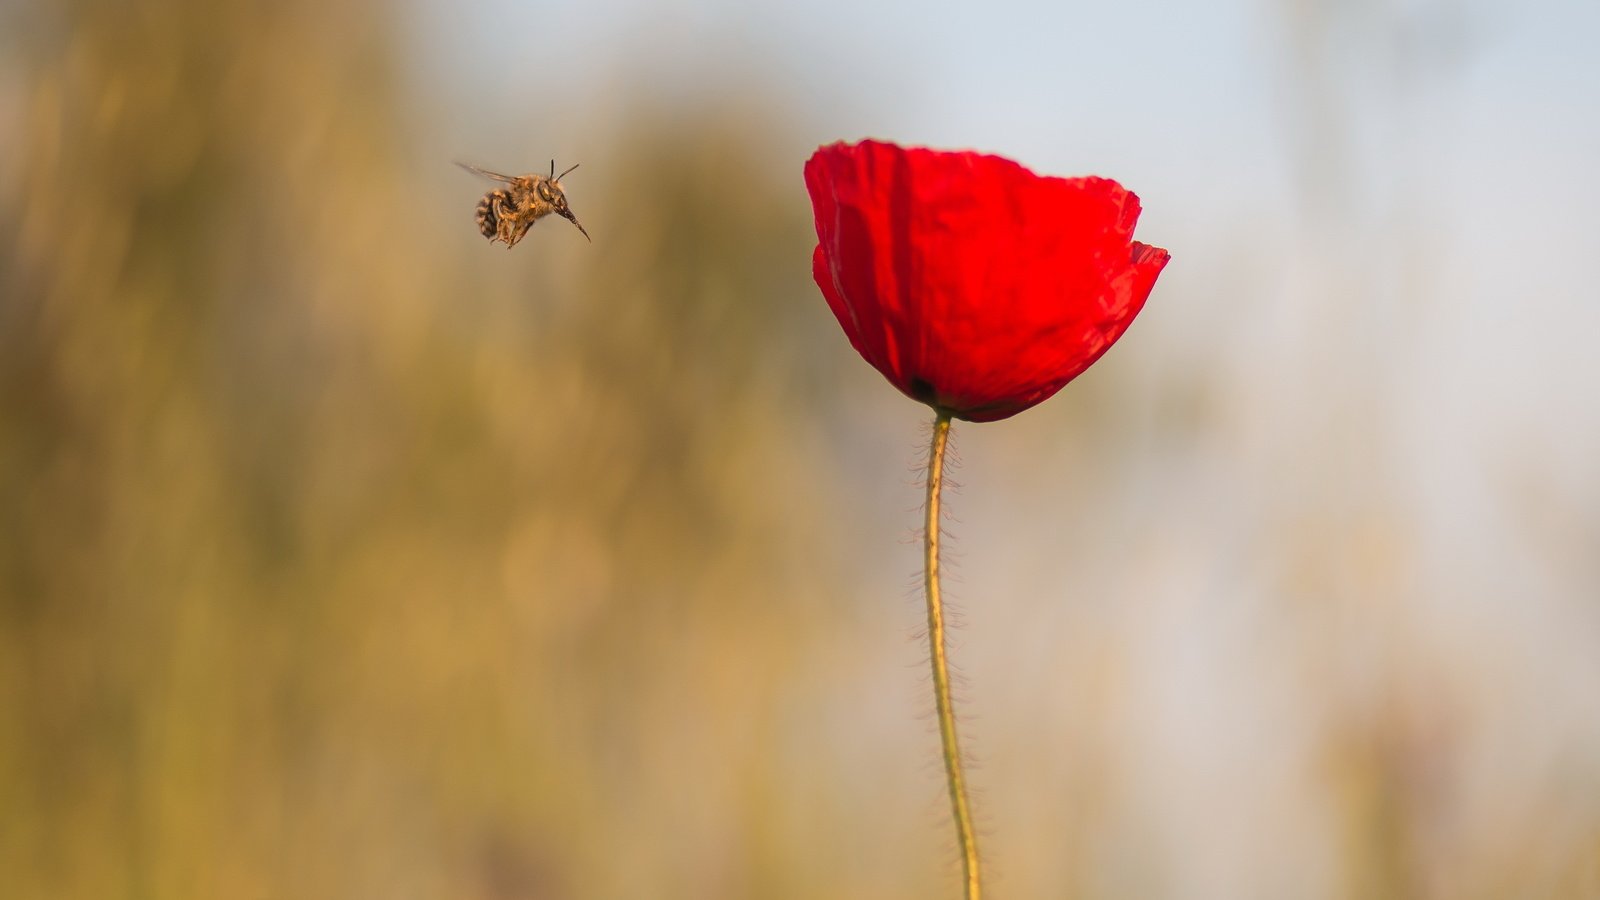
488	218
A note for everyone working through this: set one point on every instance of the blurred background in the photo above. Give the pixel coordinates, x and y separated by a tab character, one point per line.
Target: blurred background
345	555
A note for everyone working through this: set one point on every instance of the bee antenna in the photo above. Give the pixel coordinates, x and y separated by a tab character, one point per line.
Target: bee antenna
552	170
564	174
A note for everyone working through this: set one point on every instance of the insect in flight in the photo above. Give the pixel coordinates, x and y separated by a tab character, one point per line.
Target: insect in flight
505	214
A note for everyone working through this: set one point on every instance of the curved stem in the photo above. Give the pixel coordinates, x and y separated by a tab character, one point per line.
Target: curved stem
959	806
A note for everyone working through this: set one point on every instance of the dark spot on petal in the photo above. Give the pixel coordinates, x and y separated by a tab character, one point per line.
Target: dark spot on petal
922	392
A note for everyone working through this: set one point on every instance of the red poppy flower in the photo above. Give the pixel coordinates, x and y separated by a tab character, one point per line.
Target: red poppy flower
972	284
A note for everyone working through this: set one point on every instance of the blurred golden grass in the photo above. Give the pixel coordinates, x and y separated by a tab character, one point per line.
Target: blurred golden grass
344	555
347	557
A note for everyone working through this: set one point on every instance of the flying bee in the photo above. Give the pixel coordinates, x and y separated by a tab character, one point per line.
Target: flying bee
505	214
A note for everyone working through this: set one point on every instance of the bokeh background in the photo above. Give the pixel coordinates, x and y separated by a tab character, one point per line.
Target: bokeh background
343	555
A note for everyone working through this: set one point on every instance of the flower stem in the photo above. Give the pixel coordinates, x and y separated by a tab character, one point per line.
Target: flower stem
954	779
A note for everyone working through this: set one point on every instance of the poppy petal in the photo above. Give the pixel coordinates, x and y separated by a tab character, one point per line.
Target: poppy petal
971	283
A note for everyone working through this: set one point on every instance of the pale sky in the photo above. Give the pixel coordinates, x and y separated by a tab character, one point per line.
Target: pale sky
1437	155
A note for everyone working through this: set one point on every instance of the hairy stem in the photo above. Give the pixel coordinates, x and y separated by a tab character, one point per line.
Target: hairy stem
960	808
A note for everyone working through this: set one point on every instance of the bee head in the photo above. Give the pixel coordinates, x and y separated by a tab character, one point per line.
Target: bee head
550	192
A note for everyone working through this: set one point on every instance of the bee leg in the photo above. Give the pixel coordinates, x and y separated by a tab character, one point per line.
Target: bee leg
505	219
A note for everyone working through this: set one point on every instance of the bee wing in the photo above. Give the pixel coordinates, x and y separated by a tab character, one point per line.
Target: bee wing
487	174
